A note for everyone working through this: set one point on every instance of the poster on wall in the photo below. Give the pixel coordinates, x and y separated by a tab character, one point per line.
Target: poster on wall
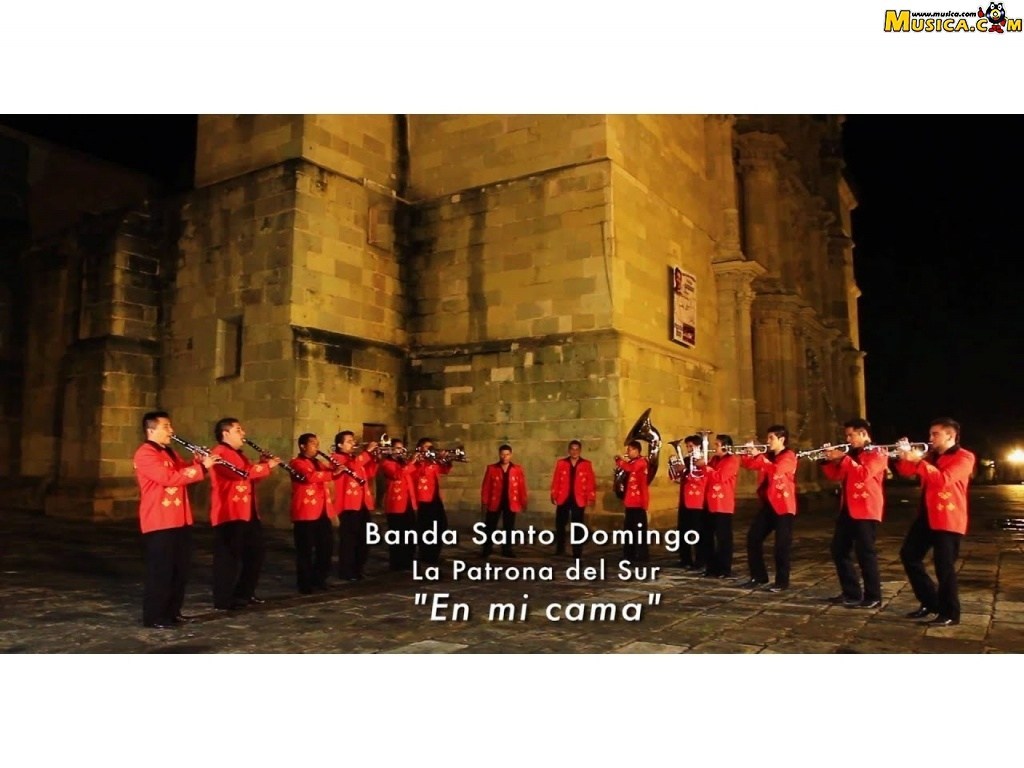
684	307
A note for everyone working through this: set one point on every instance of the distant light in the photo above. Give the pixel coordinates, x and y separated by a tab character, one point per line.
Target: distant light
1016	456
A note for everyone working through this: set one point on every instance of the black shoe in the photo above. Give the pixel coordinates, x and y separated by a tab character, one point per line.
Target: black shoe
920	613
256	600
775	588
851	602
183	619
867	603
708	575
941	621
840	599
156	625
752	584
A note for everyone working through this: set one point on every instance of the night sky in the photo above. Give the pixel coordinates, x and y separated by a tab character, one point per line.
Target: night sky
936	256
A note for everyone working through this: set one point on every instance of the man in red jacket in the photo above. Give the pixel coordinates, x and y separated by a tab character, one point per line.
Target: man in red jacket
776	490
945	472
353	502
431	516
238	547
165	519
502	495
573	489
399	503
636	500
311	516
690	515
720	475
861	471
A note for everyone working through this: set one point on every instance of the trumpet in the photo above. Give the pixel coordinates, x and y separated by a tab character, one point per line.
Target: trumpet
817	454
199	450
445	455
893	450
746	450
338	465
296	475
385	449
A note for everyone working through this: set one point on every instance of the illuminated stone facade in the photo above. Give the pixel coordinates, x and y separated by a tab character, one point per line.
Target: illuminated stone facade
477	279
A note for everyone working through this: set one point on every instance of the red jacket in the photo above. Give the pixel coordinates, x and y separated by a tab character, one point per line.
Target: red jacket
944	479
490	488
862	476
233	497
720	483
637	495
776	484
584	487
309	499
162	476
400	490
349	495
426	477
691	491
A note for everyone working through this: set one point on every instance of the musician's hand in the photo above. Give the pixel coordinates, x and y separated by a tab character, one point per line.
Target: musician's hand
834	454
554	501
371	446
209	460
274	462
701	463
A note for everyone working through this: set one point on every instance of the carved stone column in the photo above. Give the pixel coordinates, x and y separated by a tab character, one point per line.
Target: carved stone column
736	381
758	154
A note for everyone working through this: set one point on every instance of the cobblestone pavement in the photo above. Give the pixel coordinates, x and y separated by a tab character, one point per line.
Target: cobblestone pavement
75	587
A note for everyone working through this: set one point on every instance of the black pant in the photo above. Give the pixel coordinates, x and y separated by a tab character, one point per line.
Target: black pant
431	513
565	514
314	546
857	536
690	555
352	546
636	551
400	556
238	552
168	556
717	537
254	551
764	522
944	599
508	522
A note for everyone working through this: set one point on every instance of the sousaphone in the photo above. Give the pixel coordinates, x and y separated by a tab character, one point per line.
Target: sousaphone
642	430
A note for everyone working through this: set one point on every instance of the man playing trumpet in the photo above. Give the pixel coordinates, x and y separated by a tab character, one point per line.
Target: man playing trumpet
945	472
776	489
861	472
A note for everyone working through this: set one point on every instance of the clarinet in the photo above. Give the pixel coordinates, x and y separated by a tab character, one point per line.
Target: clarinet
296	475
342	467
199	450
